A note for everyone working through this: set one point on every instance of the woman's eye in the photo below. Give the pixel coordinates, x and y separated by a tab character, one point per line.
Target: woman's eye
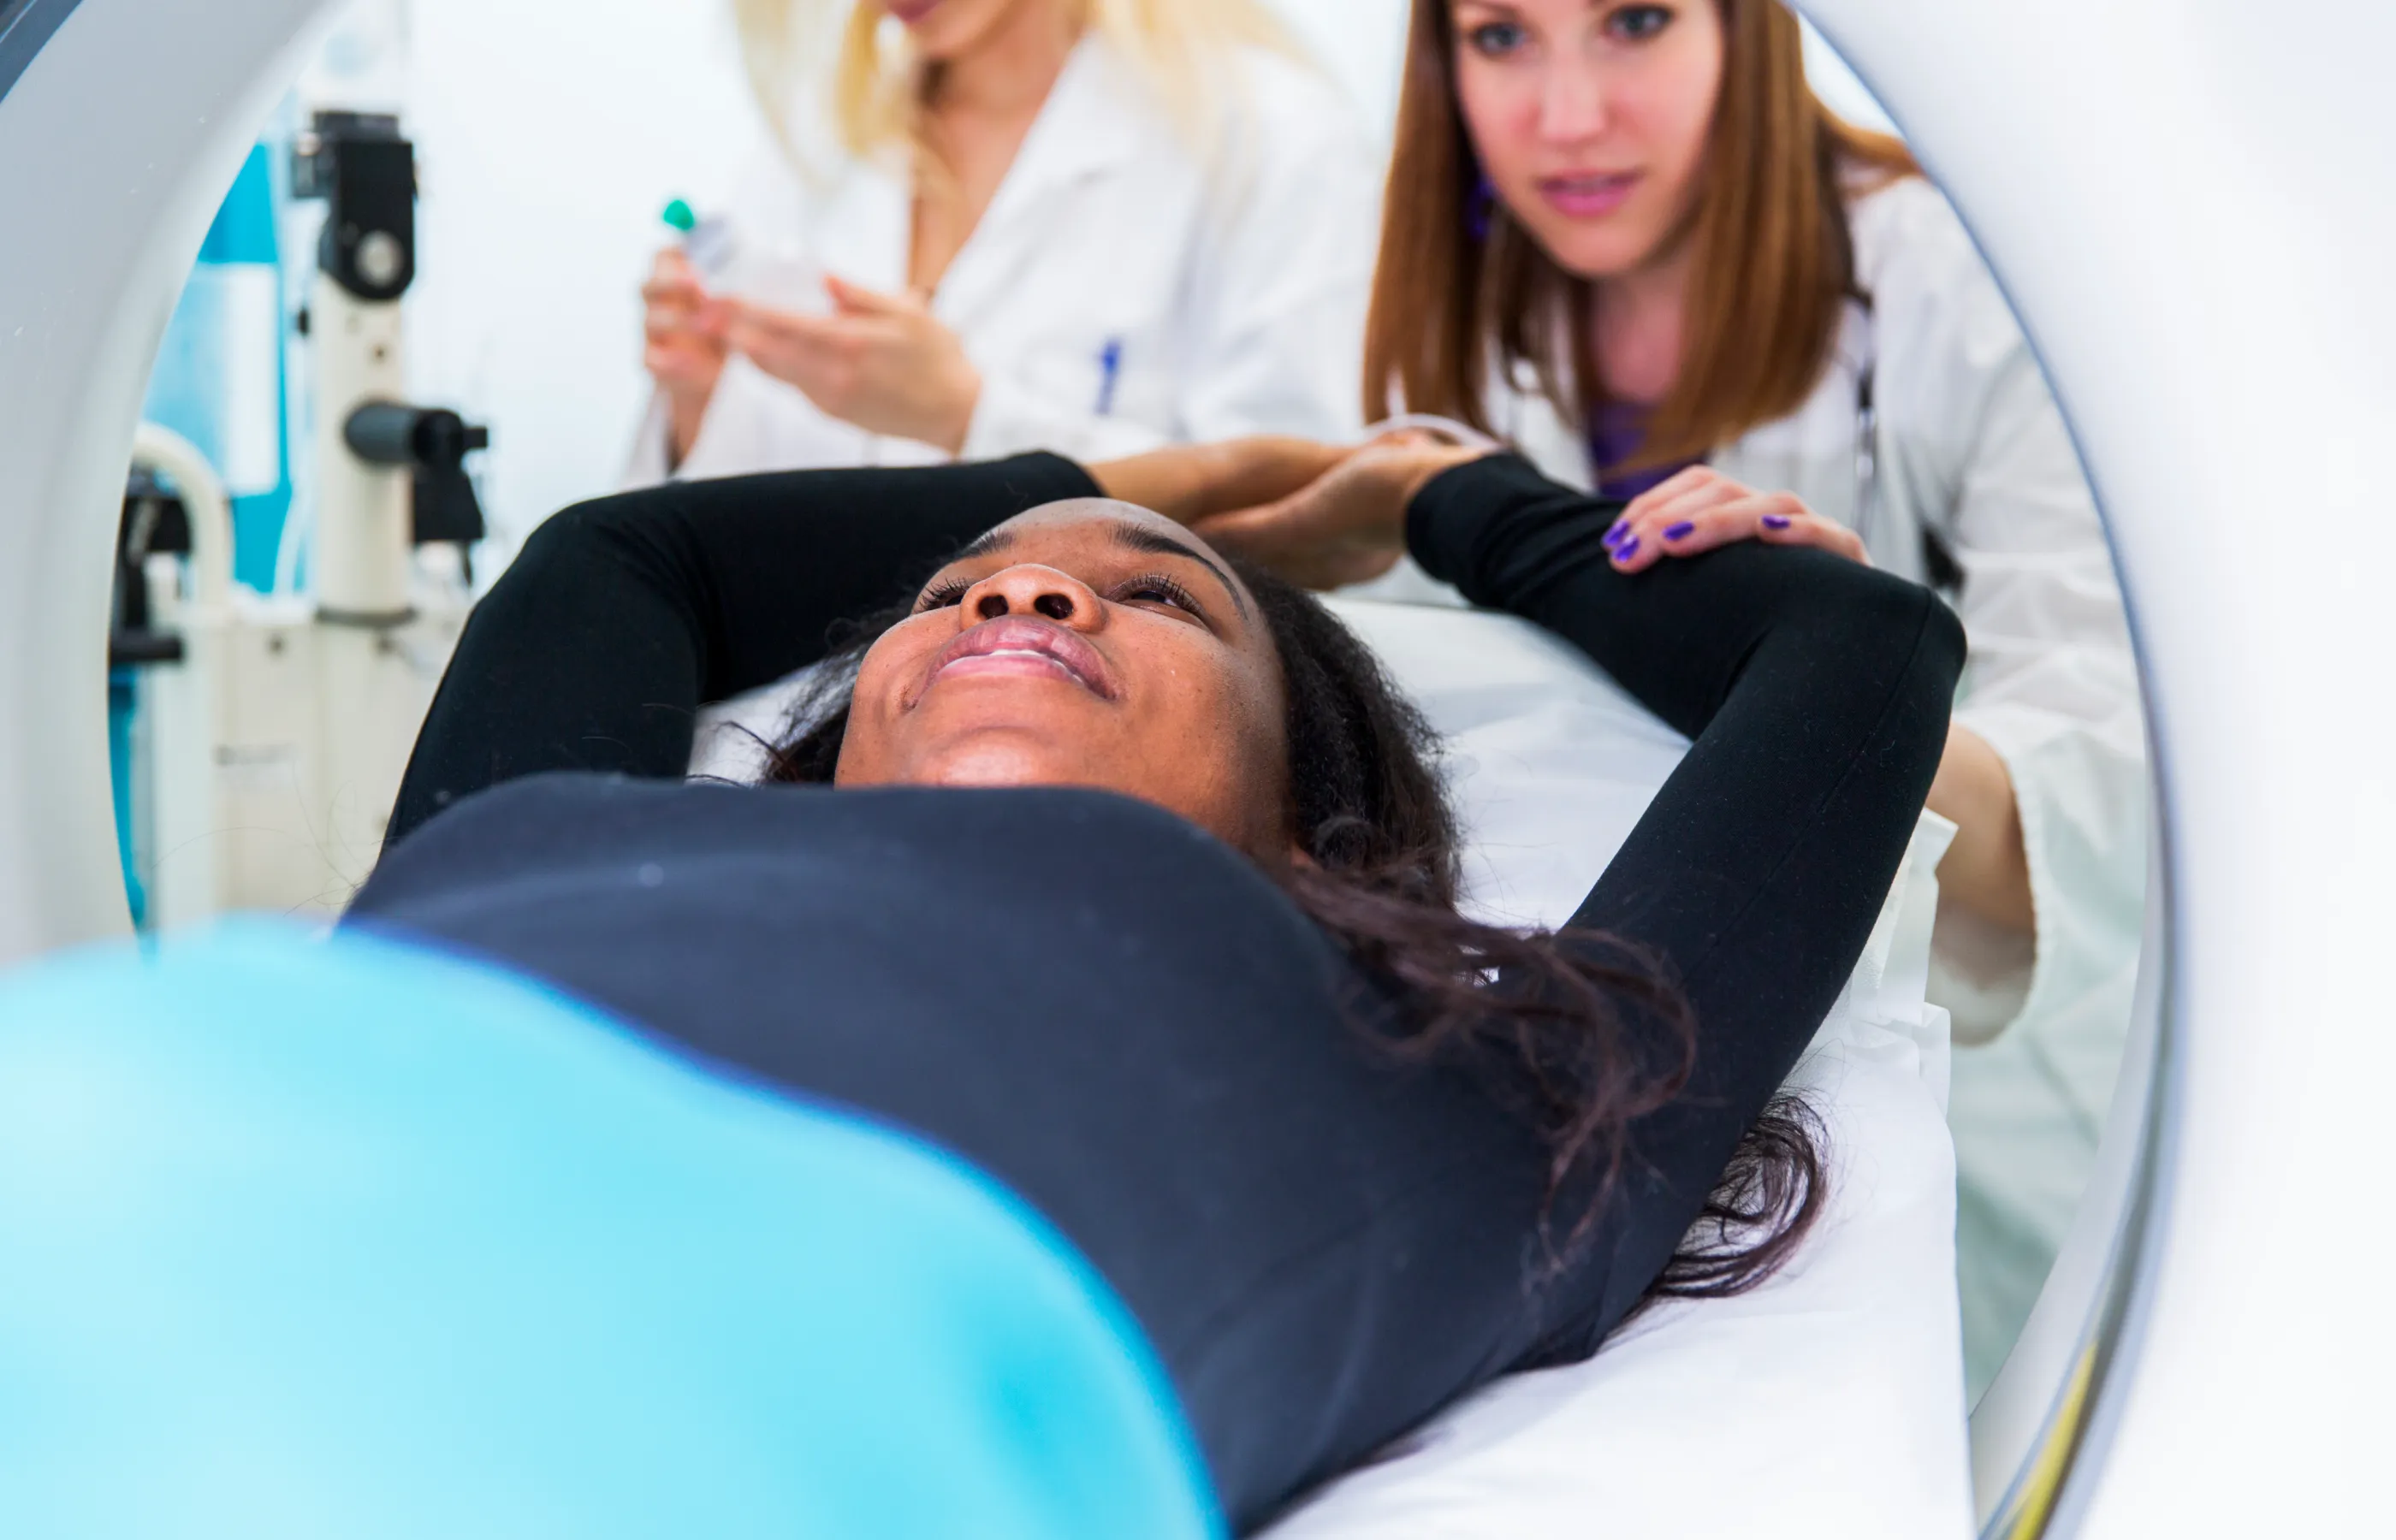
1156	591
941	595
1496	39
1637	23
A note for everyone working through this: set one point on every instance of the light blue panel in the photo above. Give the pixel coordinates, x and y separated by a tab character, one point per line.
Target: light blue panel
124	701
218	380
345	1238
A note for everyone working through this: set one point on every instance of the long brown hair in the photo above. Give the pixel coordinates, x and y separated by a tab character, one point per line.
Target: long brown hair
1456	307
1583	1034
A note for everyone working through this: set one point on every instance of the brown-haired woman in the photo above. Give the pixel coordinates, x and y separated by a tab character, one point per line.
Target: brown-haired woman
1627	237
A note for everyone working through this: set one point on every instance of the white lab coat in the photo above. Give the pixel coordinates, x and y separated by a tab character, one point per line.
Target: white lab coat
1972	447
1228	287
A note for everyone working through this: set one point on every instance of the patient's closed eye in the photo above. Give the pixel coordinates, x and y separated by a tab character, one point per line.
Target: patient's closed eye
942	594
1155	588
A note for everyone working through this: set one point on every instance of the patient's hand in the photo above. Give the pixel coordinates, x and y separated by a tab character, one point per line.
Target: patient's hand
1346	527
1701	509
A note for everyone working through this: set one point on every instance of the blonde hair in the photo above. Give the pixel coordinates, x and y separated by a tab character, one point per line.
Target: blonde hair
1177	46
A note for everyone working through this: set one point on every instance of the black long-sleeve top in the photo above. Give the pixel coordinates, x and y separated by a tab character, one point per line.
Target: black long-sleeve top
1148	1042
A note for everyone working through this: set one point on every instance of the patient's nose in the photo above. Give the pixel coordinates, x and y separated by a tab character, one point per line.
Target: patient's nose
1029	588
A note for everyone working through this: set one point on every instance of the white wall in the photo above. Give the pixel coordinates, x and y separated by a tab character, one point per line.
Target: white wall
1362	41
550	134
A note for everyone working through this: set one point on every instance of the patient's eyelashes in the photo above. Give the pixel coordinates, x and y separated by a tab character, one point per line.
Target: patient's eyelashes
1155	588
941	595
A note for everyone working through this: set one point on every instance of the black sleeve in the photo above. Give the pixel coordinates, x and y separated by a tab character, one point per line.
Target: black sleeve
622	617
1817	692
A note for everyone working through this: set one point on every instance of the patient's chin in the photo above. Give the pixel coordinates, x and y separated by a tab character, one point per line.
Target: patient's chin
1002	756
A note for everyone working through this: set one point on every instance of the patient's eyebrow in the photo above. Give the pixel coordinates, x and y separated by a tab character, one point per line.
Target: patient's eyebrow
1156	542
989	543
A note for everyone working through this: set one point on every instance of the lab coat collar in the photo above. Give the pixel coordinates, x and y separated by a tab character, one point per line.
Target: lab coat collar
1090	123
1093	121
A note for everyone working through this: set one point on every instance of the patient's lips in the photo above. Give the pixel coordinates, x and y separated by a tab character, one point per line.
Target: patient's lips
1023	645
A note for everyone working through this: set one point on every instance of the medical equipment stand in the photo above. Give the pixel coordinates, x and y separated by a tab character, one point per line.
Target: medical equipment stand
307	711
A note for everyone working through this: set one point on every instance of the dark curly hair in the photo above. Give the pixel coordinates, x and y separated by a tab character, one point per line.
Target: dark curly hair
1584	1032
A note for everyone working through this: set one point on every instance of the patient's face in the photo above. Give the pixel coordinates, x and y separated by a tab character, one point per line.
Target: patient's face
1084	644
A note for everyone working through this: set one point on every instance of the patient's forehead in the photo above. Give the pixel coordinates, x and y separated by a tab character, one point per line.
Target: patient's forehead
1069	511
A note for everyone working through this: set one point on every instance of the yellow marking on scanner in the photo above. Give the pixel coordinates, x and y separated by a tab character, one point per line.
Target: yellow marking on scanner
2034	1503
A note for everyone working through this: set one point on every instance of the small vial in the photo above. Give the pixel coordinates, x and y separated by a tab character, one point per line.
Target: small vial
784	274
708	242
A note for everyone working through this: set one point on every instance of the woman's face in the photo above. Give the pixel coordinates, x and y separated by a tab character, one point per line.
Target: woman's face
1084	644
945	30
1590	119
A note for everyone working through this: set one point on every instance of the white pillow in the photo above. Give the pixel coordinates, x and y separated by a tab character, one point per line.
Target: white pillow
1827	1402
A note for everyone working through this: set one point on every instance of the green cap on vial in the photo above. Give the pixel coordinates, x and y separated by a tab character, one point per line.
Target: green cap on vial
678	215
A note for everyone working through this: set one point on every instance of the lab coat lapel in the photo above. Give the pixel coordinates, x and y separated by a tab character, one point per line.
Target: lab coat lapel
1090	124
1811	451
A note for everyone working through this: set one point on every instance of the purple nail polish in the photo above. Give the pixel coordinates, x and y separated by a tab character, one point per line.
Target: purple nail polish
1776	521
1617	534
1681	531
1627	549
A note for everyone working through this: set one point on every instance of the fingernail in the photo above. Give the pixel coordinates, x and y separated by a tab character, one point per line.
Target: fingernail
1617	534
1776	521
1627	549
1681	531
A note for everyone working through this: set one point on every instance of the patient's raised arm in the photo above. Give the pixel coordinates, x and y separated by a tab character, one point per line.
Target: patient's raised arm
1817	694
623	616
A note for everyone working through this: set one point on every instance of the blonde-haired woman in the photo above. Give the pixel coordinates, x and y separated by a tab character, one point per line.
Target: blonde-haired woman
1092	226
1626	236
